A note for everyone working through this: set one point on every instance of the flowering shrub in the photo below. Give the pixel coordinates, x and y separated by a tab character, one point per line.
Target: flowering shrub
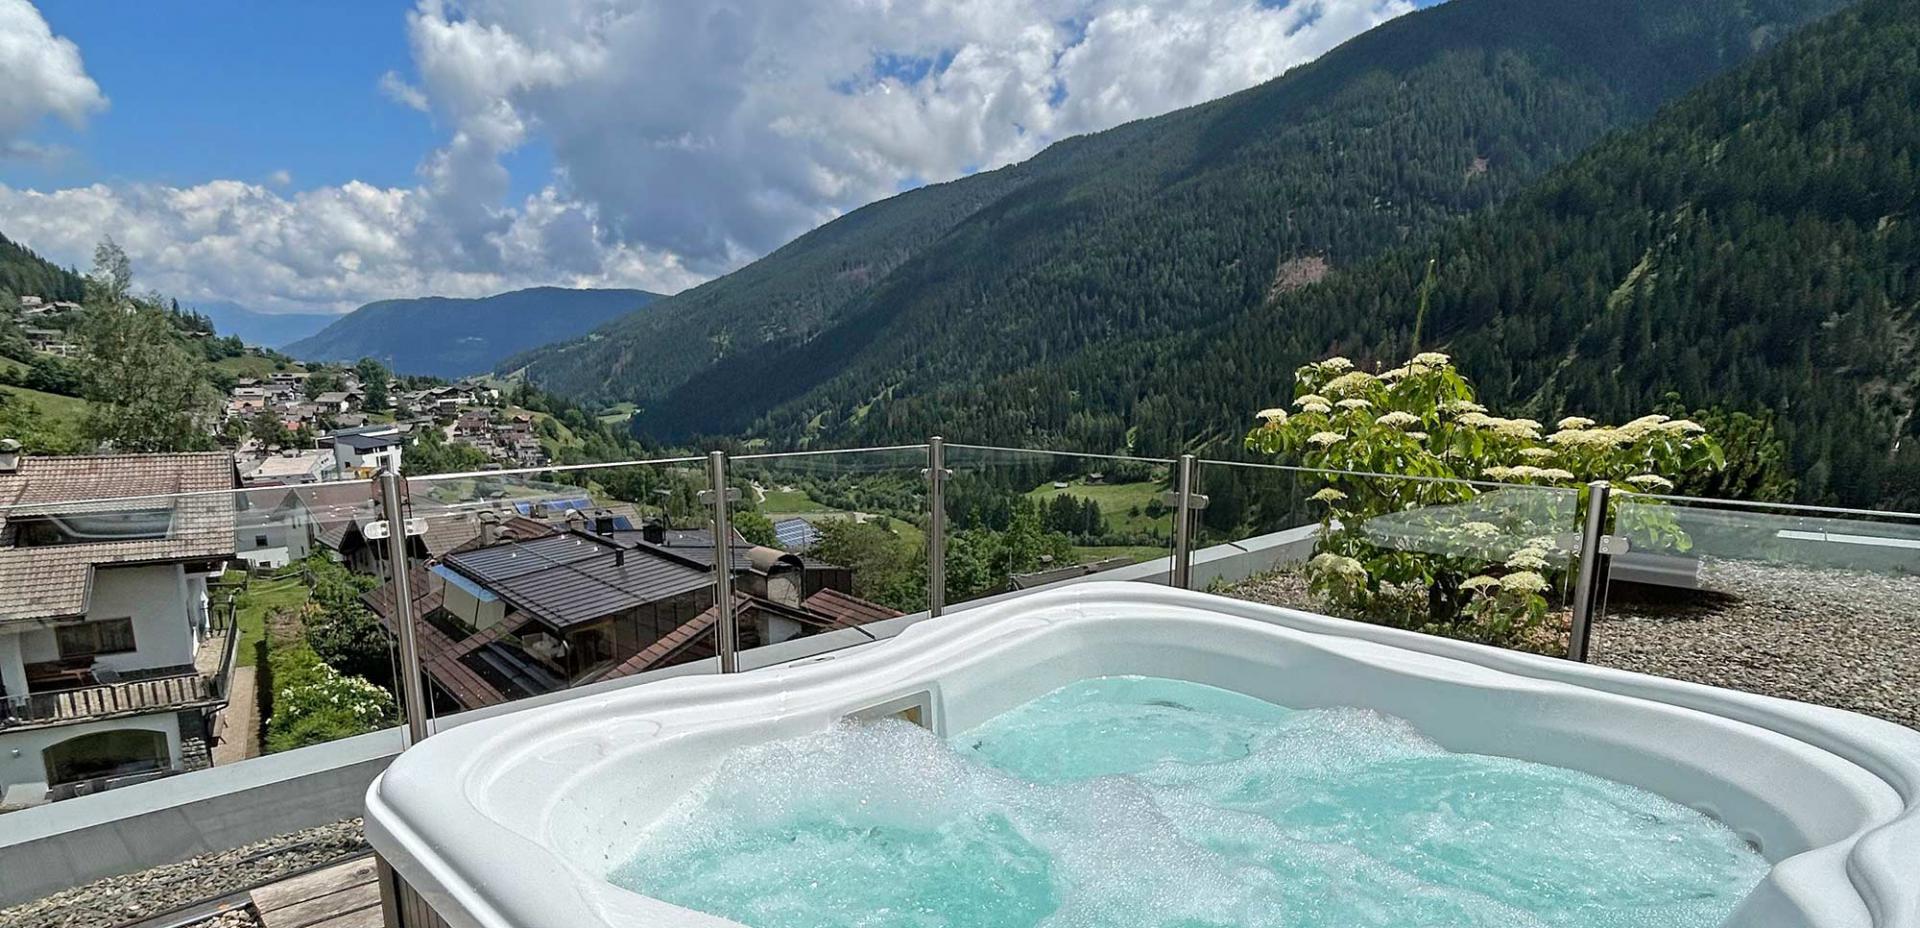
314	703
1405	542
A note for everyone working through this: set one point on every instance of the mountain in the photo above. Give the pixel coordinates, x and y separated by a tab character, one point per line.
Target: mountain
23	273
1158	227
1754	247
448	337
262	330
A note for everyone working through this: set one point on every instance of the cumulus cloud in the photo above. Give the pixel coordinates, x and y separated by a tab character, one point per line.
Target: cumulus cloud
42	76
718	131
399	91
328	249
685	138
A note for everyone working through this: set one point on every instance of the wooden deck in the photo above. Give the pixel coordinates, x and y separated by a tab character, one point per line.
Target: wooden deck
342	896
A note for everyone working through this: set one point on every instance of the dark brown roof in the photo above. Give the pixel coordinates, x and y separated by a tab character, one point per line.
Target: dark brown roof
570	578
847	610
56	581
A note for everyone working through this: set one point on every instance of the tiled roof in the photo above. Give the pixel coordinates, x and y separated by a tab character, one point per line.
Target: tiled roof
847	610
56	581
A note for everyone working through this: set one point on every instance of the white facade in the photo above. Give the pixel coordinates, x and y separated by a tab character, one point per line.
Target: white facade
365	463
167	607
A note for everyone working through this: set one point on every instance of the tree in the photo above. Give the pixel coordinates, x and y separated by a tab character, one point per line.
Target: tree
373	379
433	454
321	380
755	527
884	569
148	392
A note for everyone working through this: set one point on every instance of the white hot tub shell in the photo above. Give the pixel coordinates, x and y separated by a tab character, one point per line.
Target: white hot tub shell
514	821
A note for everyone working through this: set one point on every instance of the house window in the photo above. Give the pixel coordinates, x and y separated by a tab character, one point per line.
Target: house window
93	527
90	639
259	541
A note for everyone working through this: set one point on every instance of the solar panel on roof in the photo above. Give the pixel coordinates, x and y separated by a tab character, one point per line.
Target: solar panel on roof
795	534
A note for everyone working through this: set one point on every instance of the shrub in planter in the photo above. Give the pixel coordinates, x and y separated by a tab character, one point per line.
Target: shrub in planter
1406	540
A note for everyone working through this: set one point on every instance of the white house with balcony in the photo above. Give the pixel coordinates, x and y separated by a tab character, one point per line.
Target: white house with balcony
111	666
362	452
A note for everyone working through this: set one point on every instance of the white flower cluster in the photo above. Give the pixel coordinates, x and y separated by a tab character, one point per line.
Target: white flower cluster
1325	439
1349	383
1525	429
1397	420
1328	495
1523	472
1337	565
1650	482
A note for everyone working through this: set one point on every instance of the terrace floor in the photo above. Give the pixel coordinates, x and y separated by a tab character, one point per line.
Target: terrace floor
343	896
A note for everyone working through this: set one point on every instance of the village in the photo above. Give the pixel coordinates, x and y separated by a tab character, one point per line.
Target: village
310	426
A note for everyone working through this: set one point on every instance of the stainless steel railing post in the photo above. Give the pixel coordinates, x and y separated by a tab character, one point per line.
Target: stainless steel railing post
936	525
1183	524
412	691
1585	587
726	635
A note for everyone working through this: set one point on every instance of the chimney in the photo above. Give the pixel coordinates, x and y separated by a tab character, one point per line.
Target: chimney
489	528
603	522
9	455
576	520
654	532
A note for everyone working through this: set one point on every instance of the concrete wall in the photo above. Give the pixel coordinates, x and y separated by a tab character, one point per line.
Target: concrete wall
20	751
53	847
13	671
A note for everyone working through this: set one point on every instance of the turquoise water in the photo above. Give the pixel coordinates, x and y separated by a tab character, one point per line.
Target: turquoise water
1128	801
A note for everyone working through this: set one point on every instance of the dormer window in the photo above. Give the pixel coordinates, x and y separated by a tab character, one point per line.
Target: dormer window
93	528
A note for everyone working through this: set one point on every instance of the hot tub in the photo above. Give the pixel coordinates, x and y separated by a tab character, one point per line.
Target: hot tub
518	821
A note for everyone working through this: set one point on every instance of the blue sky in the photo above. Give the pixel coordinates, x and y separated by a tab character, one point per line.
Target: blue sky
233	89
648	143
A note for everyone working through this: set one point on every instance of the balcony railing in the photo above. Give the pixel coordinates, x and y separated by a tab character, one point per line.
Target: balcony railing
1810	603
152	691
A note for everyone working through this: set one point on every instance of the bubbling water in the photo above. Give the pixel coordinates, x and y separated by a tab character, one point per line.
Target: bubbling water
1157	803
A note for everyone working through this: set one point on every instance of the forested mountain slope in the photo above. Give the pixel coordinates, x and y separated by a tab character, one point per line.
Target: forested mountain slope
447	337
1753	247
23	273
1160	226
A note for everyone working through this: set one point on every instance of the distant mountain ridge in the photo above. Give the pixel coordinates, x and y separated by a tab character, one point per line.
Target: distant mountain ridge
453	337
1156	227
261	330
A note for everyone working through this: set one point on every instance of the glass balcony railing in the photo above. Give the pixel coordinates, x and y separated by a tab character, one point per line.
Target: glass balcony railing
167	636
1019	520
1806	603
1486	562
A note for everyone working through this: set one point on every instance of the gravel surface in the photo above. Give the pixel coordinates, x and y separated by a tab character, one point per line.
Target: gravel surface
1835	637
121	899
239	918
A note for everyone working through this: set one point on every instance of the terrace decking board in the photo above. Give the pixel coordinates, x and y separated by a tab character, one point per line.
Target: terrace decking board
342	896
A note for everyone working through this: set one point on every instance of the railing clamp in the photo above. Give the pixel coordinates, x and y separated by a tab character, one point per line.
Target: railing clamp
380	529
1195	501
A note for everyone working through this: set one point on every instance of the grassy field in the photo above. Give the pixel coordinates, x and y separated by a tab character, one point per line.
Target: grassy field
617	414
1136	553
63	414
260	599
1117	501
781	503
786	504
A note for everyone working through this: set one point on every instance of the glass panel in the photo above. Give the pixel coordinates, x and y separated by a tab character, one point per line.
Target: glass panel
217	620
529	583
1803	603
1021	520
841	544
1484	562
